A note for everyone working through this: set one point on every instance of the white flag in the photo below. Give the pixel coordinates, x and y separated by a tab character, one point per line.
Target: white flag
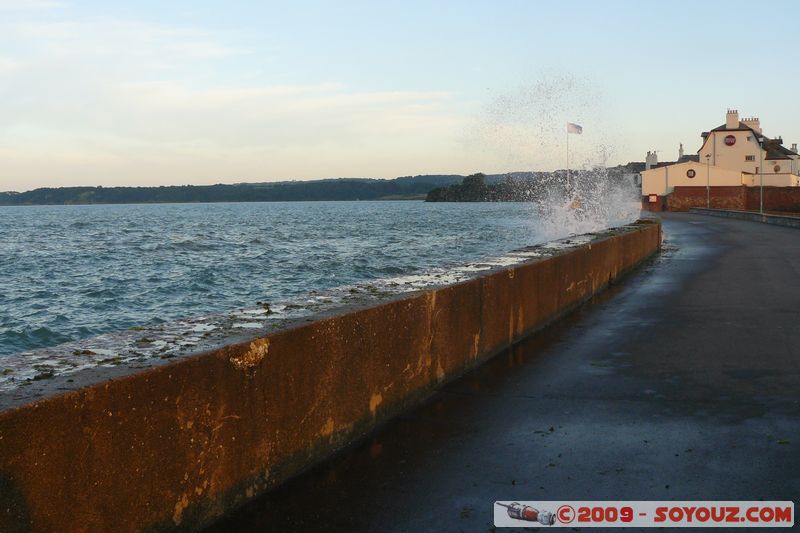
574	128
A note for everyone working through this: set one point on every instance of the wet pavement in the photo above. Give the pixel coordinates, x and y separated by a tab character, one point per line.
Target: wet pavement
680	383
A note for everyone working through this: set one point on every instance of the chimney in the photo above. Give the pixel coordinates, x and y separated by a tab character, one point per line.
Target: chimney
732	119
753	123
651	160
794	147
680	152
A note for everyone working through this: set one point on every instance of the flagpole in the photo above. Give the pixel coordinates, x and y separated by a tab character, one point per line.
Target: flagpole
568	159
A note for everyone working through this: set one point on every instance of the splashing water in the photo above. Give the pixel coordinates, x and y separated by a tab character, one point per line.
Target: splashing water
593	201
526	128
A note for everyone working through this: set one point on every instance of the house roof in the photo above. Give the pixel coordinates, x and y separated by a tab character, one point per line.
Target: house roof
688	158
774	148
742	127
672	163
635	166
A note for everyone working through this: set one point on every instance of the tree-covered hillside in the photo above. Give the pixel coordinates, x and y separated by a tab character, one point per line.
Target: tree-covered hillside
515	186
330	189
527	186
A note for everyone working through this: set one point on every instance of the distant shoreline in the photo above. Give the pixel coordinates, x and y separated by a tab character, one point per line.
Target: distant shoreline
405	199
408	188
446	187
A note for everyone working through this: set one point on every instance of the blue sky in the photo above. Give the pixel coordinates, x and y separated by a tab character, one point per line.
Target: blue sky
141	93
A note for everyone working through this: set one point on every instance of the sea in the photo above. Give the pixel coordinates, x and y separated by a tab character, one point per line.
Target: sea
73	272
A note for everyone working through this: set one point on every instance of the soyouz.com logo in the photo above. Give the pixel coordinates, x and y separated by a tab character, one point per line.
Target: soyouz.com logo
748	514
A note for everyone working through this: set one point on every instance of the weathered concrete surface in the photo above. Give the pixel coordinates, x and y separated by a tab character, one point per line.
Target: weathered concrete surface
681	383
778	220
177	445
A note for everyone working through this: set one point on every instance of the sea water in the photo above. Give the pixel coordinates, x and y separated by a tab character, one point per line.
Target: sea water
73	272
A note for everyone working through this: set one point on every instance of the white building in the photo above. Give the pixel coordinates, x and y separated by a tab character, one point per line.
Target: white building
733	154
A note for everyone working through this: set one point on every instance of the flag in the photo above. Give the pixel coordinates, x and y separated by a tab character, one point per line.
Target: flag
574	128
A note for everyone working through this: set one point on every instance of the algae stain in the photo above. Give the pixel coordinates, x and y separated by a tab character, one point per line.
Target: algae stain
258	350
439	371
374	402
431	302
180	506
328	428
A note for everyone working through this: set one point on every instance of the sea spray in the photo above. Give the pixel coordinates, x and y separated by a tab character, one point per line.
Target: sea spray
592	201
526	128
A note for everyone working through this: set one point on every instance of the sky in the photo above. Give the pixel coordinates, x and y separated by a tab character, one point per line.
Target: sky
162	93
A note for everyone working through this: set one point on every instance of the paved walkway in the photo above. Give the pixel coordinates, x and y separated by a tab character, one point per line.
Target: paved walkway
682	382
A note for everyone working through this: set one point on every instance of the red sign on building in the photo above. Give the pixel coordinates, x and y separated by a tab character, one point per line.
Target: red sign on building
730	140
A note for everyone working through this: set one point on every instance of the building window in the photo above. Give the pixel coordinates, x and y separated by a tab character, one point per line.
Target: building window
749	158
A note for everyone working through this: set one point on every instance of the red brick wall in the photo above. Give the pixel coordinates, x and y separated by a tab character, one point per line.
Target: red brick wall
685	197
740	198
775	198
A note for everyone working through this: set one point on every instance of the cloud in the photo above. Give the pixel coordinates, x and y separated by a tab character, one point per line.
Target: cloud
527	127
8	64
203	49
105	101
104	41
174	95
23	5
169	131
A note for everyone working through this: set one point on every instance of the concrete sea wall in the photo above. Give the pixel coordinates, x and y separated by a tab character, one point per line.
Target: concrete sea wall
778	220
175	446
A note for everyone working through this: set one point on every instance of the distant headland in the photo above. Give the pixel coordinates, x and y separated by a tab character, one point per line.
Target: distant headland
403	188
527	186
513	186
